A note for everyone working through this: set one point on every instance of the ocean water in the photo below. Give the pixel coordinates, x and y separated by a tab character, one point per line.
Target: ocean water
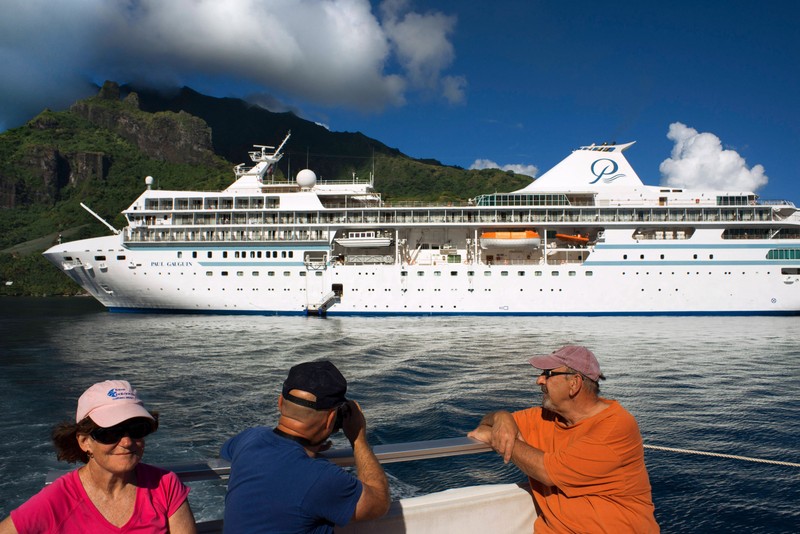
719	384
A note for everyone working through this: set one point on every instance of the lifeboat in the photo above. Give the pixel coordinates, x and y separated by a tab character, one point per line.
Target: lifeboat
365	239
576	239
523	238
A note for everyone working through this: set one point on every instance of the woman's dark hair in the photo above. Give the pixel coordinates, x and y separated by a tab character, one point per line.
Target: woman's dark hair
65	438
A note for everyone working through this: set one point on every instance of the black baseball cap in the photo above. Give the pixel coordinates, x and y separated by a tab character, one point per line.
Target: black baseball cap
321	379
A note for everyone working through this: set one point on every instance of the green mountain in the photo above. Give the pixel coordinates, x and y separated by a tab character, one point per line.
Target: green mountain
99	151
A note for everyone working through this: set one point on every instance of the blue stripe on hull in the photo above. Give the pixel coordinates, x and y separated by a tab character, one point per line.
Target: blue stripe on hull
456	314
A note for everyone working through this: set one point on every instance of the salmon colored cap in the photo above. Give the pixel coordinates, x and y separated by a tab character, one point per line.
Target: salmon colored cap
579	358
110	403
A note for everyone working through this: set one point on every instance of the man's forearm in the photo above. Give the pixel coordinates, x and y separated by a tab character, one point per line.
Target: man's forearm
530	461
371	474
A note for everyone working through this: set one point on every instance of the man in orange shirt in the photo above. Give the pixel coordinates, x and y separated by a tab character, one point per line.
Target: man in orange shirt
582	453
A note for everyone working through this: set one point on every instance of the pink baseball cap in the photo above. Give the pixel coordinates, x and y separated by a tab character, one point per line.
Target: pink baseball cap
110	403
574	356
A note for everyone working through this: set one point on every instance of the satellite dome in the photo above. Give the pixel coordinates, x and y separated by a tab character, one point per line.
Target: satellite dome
148	181
306	178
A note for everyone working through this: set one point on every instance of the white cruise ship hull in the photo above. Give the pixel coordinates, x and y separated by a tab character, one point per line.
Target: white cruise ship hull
154	280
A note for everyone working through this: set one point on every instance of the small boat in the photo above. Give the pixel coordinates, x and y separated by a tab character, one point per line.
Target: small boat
524	238
364	239
576	239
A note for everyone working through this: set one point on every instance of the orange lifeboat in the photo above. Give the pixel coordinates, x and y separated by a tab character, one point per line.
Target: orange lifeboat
518	238
576	239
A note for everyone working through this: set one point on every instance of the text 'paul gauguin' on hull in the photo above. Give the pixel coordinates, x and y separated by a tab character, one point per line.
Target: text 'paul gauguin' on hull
586	238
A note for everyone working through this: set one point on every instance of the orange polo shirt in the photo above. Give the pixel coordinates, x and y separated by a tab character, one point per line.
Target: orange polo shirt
597	466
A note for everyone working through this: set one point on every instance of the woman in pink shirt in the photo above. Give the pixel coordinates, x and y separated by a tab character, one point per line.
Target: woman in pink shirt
114	492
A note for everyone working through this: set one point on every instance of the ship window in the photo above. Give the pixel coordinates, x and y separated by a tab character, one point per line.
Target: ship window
453	273
783	254
589	273
209	254
420	273
487	273
503	273
318	273
302	273
180	254
235	253
470	273
554	273
710	256
790	270
239	273
209	273
259	254
291	254
224	273
100	258
520	273
537	273
437	273
68	258
283	253
572	273
271	273
252	253
641	256
624	256
123	257
274	253
403	273
194	254
286	273
255	273
662	256
695	256
224	253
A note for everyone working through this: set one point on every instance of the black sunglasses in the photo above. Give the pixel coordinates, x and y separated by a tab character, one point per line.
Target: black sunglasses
135	429
547	373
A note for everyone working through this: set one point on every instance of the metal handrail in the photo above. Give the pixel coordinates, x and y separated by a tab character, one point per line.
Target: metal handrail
390	453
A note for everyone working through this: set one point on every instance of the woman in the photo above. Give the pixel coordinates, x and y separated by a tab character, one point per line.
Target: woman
113	492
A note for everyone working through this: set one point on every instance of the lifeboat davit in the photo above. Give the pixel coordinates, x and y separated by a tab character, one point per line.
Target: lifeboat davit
576	239
514	239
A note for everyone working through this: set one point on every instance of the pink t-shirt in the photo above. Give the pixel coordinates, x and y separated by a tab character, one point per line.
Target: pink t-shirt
64	506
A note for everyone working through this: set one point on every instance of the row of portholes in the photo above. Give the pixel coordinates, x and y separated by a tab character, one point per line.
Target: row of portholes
502	273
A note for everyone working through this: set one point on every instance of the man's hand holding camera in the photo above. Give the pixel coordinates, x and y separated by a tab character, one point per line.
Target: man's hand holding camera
354	425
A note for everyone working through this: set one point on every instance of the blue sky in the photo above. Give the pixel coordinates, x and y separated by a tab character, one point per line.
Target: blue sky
709	87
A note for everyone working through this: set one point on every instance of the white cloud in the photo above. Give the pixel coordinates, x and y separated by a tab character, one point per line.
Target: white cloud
698	161
454	89
518	168
325	52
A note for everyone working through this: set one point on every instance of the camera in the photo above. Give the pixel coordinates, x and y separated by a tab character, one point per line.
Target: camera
342	412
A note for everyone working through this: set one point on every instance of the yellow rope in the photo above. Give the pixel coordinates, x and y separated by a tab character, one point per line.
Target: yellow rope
720	455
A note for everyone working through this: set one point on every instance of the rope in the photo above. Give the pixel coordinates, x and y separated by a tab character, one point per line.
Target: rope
720	455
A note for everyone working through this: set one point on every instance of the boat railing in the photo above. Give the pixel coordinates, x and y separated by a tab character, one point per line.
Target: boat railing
390	453
497	217
776	202
467	510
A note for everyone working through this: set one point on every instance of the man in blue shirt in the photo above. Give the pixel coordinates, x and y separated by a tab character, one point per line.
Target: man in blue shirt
278	484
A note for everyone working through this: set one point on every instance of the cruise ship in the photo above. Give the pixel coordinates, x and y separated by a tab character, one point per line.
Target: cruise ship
586	238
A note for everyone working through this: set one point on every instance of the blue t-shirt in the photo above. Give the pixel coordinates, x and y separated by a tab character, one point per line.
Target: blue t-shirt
276	487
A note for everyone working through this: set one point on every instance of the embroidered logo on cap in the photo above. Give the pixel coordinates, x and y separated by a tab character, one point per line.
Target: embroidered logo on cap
120	394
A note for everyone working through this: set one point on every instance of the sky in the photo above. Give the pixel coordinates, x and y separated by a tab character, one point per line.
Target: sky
708	89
